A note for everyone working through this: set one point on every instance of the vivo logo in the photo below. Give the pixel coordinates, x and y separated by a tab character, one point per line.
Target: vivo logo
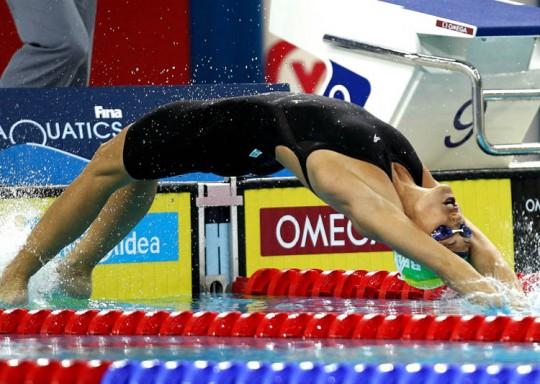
532	205
347	85
104	113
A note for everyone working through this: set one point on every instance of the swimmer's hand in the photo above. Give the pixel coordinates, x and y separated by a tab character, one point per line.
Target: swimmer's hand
499	303
502	273
498	296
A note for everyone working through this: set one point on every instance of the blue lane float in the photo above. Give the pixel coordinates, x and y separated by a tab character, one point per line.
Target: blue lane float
202	372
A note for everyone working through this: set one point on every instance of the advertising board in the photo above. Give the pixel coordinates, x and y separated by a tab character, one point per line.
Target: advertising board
48	135
153	261
526	210
289	227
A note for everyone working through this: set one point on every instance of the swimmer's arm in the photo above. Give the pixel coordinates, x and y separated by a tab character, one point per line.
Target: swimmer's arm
485	257
378	219
488	260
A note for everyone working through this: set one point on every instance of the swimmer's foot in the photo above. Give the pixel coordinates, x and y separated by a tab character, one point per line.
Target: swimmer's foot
13	290
75	280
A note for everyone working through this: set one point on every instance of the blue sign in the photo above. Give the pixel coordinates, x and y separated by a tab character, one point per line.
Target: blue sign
347	85
155	238
48	135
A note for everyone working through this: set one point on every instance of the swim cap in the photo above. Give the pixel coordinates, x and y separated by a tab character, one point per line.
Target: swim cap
416	274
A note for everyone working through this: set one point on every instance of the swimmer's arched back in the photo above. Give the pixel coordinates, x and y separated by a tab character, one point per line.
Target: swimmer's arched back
359	165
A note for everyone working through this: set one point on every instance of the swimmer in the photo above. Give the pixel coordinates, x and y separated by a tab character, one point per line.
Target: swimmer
359	165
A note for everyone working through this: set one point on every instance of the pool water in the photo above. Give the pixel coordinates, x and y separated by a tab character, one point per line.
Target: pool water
270	350
230	302
44	295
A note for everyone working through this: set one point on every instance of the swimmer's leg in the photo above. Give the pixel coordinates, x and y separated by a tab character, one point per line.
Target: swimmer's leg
124	209
67	218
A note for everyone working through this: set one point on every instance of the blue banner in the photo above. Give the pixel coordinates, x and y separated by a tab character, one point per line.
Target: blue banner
48	135
155	238
347	85
229	48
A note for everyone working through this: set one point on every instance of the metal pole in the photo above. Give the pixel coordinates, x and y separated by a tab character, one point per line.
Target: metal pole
233	236
476	89
202	242
511	94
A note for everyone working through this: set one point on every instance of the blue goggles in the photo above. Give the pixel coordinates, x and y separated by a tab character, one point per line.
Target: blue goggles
443	232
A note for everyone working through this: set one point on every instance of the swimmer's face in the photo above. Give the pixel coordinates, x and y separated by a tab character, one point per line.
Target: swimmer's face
437	207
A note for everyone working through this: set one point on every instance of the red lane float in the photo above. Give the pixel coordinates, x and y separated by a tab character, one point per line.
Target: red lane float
335	283
274	325
51	371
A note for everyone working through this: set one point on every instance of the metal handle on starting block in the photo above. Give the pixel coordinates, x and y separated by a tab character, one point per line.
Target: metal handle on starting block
479	95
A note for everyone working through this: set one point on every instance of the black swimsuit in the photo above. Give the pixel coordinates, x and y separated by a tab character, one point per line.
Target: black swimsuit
237	136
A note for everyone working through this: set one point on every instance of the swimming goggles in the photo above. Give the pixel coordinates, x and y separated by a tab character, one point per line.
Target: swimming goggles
443	232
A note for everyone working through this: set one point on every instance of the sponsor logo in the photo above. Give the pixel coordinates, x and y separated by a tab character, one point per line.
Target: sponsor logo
532	205
403	263
286	63
155	238
255	153
310	230
461	126
47	132
526	223
103	113
454	27
347	85
43	133
135	244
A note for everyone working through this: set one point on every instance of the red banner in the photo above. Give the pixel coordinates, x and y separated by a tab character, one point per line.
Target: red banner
135	43
454	27
310	230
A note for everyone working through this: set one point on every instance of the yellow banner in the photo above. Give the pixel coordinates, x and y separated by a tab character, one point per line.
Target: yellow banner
292	228
151	279
153	261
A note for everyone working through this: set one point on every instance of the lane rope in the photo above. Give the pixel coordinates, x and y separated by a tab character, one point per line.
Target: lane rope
334	283
500	328
359	284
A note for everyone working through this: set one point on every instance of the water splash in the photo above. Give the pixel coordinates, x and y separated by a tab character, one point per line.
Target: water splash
15	225
43	296
17	220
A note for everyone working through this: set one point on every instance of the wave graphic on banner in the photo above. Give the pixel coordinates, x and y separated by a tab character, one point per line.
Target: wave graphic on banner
37	164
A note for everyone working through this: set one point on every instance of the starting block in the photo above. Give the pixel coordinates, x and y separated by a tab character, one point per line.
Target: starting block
443	73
